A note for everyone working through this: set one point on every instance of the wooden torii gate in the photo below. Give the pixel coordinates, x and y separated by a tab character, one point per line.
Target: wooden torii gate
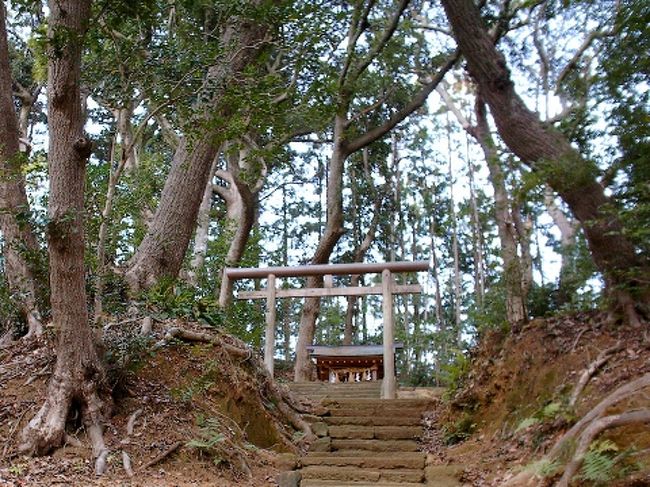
387	289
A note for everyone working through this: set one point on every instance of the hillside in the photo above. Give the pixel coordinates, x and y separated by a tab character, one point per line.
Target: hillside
515	402
198	414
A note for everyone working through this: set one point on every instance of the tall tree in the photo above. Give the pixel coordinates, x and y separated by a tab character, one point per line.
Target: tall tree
548	151
78	374
21	248
163	249
347	140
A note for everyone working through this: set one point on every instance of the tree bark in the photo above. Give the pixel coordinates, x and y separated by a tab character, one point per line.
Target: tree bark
78	375
163	249
21	248
333	232
548	151
202	230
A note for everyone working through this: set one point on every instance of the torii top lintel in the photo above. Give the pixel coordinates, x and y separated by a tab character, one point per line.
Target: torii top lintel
234	274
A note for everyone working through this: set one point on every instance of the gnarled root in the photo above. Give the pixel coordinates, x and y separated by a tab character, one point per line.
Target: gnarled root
46	431
34	325
587	374
623	392
592	431
286	403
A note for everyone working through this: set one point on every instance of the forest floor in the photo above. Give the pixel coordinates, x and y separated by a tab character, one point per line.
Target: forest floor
189	406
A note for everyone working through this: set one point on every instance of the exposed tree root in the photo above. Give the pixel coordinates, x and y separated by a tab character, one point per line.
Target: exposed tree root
588	373
623	392
287	405
7	340
34	325
162	456
46	431
147	326
592	431
593	423
130	425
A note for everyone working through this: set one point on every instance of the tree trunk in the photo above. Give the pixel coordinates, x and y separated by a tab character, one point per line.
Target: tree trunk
20	243
512	268
202	230
78	374
548	151
333	232
568	284
477	237
241	209
163	249
454	241
361	251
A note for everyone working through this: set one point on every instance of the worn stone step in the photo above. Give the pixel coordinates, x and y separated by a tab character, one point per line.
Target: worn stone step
338	388
372	411
377	432
374	445
372	460
337	483
354	474
444	475
383	403
414	420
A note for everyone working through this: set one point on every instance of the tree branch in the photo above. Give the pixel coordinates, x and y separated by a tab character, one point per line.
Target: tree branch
416	102
379	46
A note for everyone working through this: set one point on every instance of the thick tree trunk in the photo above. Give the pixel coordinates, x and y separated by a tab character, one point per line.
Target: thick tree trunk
333	232
20	242
163	249
548	151
78	374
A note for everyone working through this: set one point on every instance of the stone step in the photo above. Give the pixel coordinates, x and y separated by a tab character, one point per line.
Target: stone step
374	445
383	403
354	474
372	460
335	387
376	432
343	396
337	483
373	420
373	411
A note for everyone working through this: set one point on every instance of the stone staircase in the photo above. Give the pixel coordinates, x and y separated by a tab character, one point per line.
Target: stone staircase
363	441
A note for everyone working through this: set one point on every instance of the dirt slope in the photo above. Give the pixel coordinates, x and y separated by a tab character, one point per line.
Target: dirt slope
208	411
514	402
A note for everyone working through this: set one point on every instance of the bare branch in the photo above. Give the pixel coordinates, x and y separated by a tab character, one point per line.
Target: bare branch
357	28
449	102
416	102
381	44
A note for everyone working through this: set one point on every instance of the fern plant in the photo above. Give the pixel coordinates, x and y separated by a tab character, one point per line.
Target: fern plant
604	463
209	440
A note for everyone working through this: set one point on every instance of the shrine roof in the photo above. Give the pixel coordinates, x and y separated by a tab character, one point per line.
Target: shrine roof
349	350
